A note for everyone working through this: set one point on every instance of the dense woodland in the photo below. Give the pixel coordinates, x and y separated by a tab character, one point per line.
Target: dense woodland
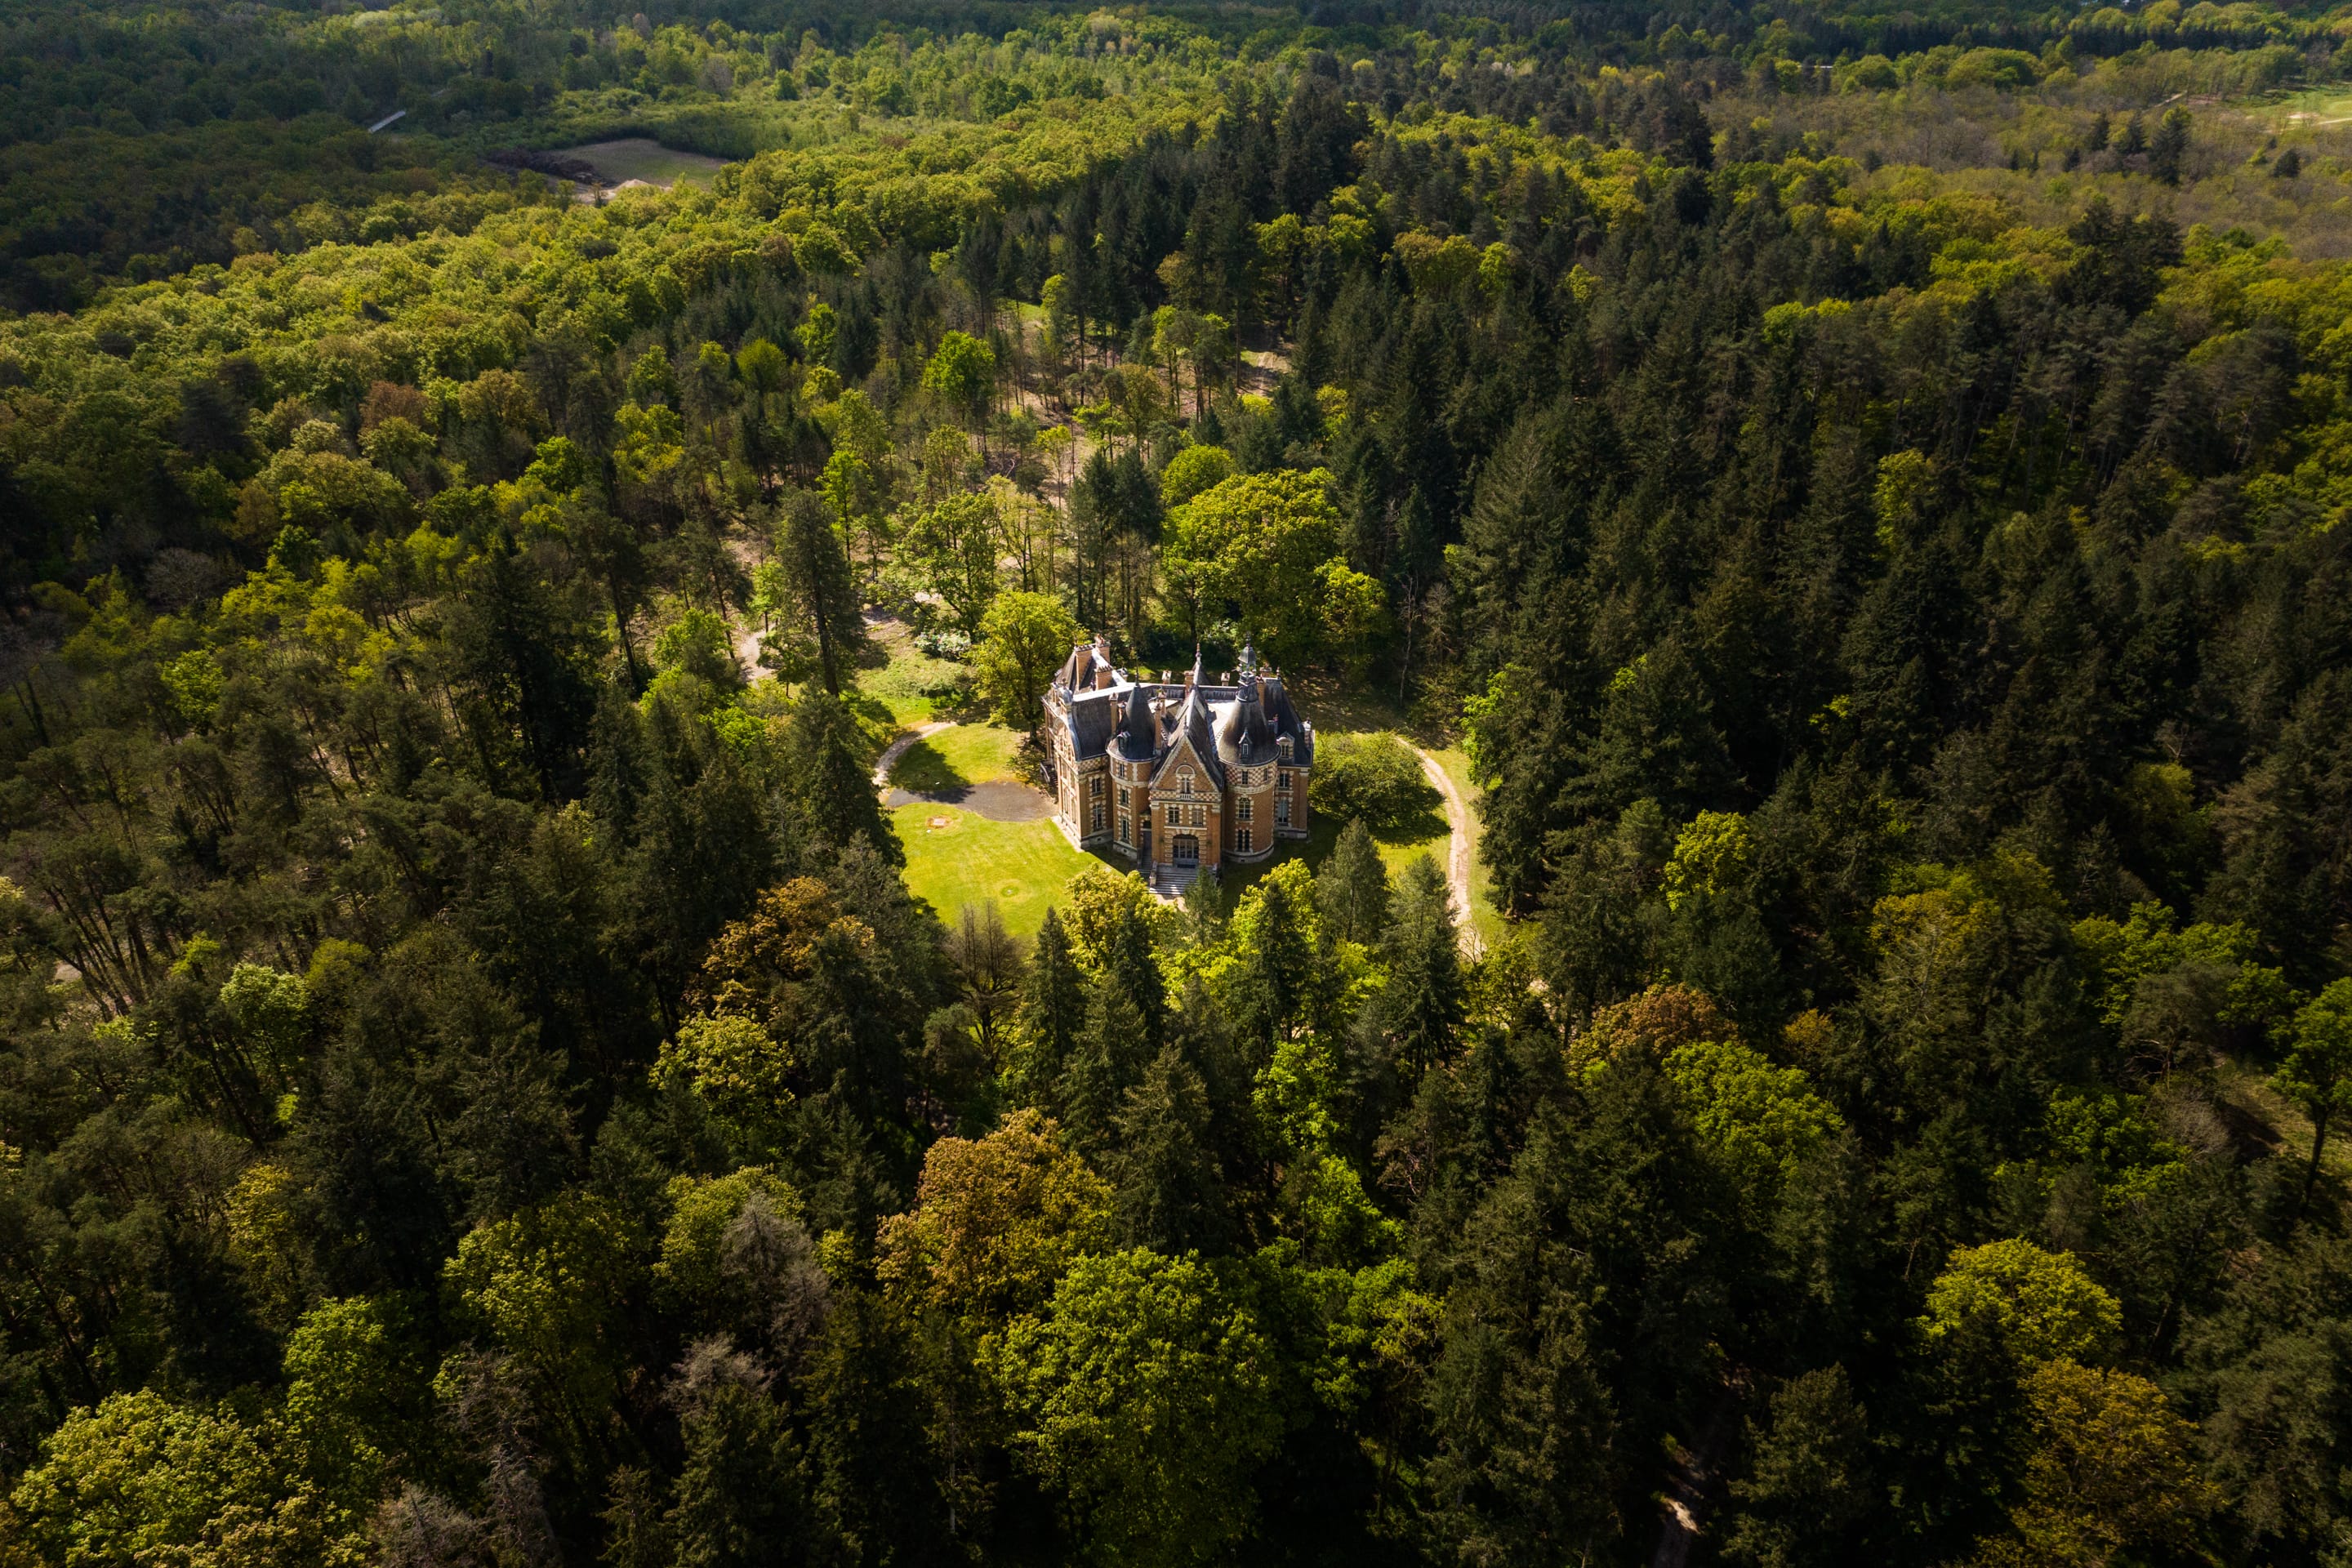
1869	493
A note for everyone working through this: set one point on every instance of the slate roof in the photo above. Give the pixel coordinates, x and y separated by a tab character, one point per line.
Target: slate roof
1244	737
1194	723
1283	718
1239	725
1138	730
1093	720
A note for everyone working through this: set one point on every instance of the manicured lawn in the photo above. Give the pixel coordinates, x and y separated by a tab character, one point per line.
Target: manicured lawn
963	755
1023	866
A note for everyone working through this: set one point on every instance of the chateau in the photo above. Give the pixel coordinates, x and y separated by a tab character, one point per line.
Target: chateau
1176	778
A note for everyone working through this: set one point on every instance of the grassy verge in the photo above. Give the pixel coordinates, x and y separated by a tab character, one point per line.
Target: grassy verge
2248	1089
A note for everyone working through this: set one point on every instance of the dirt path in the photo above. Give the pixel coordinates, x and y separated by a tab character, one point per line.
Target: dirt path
1458	854
897	748
745	638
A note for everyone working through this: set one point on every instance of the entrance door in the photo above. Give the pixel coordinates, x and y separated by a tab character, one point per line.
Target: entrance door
1186	849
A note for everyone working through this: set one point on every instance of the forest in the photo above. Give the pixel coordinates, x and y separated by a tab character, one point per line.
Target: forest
1866	492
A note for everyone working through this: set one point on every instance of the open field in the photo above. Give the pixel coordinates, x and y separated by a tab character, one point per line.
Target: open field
910	681
643	158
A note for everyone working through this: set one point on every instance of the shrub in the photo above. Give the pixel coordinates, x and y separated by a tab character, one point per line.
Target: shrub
1376	777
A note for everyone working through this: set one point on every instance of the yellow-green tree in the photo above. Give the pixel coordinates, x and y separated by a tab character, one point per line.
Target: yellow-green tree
1147	1395
996	1222
1024	638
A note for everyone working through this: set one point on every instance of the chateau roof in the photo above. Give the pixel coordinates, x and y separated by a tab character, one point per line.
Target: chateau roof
1138	731
1284	720
1093	718
1108	713
1195	722
1244	737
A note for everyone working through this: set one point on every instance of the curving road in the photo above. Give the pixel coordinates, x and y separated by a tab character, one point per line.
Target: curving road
1457	855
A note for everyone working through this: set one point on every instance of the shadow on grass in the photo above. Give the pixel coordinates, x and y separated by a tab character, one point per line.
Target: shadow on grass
1332	706
923	769
1428	825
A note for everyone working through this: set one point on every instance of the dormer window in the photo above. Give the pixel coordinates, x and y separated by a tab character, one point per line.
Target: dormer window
1282	746
1184	781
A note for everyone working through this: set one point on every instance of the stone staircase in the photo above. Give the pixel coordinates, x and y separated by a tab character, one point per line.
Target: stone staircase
1173	881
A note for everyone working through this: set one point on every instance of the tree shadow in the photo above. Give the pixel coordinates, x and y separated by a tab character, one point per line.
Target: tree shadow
923	769
1418	829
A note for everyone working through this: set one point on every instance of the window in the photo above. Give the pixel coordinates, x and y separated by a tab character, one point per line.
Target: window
1282	781
1122	799
1124	835
1199	817
1173	819
1184	781
1095	786
1283	747
1242	840
1282	811
1099	816
1241	809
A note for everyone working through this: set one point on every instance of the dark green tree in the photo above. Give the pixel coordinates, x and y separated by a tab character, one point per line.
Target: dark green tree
823	586
1352	888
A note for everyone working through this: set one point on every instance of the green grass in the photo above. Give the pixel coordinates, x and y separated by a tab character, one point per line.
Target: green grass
1398	847
905	683
965	754
643	158
1023	866
2318	104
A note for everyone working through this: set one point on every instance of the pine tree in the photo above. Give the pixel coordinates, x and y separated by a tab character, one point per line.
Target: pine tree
2168	146
1104	1065
823	586
1421	1008
1353	889
831	788
1171	1192
1053	1013
1280	961
742	1497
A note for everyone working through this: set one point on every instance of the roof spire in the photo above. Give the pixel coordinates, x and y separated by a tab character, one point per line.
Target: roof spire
1249	662
1194	679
